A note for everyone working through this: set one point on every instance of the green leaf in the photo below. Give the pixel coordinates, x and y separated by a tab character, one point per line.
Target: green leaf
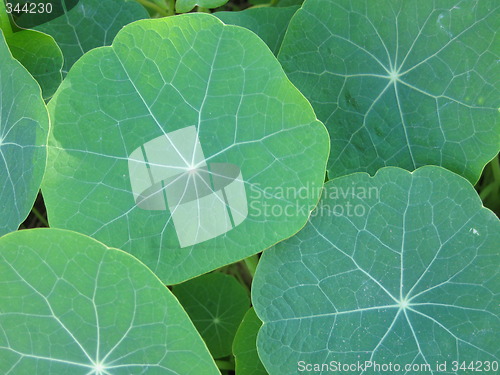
44	11
289	3
216	303
41	56
401	83
24	126
268	23
38	52
399	268
138	125
184	6
70	305
90	24
245	346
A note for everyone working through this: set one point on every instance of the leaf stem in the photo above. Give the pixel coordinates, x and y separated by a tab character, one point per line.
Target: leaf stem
171	7
224	365
495	167
251	263
202	10
494	184
40	217
154	7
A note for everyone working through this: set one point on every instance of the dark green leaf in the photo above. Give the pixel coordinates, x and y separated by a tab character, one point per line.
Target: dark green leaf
216	303
90	24
245	346
268	23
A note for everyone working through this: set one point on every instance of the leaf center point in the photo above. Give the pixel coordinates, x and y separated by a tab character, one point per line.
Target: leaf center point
394	75
404	303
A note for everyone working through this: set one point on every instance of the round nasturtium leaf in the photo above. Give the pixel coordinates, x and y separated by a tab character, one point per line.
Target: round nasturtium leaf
184	6
245	346
90	24
216	303
24	124
399	268
185	144
400	83
70	305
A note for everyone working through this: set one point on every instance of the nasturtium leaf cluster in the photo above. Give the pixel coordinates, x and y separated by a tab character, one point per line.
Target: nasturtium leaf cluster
218	88
24	127
216	304
71	305
183	144
409	274
401	83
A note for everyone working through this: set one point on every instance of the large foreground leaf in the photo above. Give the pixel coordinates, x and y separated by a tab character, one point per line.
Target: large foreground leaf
185	144
24	125
268	23
402	83
400	268
90	24
70	305
216	303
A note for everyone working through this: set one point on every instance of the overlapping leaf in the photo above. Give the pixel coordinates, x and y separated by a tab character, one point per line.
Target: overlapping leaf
402	83
143	128
90	24
70	305
38	52
245	346
183	6
24	126
268	23
400	268
216	303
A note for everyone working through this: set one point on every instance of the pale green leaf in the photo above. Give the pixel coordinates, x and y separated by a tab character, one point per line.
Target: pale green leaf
268	23
90	24
401	83
41	56
38	52
245	346
24	126
184	6
216	303
70	305
399	268
137	125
